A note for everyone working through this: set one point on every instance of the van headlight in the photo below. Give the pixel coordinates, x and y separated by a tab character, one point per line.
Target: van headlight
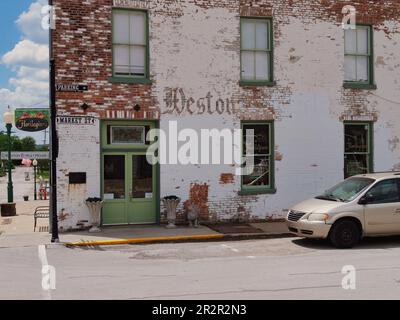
318	217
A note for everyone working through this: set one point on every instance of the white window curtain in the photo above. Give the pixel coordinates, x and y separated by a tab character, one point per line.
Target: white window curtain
357	55
129	42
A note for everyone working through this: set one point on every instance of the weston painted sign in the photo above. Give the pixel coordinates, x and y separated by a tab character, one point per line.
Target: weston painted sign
32	120
178	102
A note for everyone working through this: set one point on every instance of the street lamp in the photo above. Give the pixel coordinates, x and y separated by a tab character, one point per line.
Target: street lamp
8	120
35	163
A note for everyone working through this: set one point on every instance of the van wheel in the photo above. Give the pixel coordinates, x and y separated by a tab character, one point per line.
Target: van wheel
345	234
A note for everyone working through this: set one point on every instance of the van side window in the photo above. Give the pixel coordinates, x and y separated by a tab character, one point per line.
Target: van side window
386	191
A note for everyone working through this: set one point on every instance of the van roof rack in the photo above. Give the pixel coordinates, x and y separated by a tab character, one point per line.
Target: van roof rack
395	172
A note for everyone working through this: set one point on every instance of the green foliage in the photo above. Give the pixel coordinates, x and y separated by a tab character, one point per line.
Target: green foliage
28	144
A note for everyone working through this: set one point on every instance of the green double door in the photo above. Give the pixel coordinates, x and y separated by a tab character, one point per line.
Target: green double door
129	189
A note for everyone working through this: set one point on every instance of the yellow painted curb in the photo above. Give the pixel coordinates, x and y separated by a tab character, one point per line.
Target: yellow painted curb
144	240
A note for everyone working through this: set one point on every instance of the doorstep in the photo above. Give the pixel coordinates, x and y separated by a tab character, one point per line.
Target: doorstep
160	234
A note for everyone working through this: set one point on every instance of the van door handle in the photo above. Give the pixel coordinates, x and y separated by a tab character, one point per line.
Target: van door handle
397	211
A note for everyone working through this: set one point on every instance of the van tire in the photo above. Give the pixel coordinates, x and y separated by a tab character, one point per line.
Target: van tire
345	234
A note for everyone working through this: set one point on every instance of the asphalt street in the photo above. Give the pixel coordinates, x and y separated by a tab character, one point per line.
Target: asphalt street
289	268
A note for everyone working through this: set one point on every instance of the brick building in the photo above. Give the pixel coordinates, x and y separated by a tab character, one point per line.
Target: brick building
324	102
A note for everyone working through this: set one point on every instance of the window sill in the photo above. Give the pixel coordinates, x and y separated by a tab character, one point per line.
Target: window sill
257	191
244	83
357	85
129	80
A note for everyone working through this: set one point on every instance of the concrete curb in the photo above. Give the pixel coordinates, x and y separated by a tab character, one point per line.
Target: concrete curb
197	238
206	237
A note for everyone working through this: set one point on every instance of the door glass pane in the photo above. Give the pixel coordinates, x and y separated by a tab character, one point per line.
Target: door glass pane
385	192
121	28
262	69
350	41
356	138
138	25
121	59
138	60
350	68
262	35
142	177
260	174
248	65
362	68
362	41
114	177
248	36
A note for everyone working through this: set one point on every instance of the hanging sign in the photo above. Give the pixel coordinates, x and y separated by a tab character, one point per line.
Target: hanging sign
32	120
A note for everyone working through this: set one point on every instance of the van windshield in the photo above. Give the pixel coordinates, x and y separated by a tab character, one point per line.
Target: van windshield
347	190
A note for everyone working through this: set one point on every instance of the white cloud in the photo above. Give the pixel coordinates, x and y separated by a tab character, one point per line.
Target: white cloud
29	60
27	53
30	23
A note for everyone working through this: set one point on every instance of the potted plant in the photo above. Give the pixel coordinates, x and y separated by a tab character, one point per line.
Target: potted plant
94	205
171	203
26	198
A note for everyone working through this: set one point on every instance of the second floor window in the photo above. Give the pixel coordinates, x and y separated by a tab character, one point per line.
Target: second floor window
130	43
256	50
358	55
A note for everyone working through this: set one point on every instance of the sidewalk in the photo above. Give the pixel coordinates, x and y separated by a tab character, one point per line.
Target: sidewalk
18	232
159	234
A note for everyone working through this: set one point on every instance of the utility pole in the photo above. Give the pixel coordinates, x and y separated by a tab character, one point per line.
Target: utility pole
53	137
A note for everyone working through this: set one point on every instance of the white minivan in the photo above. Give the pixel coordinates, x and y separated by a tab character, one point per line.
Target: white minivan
363	205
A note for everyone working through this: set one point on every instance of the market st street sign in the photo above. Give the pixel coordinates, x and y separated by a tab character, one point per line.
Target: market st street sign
38	155
32	120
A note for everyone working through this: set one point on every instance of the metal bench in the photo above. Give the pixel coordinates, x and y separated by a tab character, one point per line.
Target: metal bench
40	213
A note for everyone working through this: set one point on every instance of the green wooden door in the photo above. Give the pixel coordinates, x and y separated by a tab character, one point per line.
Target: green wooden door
128	189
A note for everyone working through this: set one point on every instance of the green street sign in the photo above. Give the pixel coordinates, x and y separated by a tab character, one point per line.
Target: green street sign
32	120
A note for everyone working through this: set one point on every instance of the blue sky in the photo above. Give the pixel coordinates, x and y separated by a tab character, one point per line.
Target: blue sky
9	13
23	56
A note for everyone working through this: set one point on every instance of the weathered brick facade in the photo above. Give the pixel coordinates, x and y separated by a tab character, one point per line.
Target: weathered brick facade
195	52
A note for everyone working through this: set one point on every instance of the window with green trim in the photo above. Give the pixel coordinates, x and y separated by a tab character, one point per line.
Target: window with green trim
256	50
260	153
130	43
357	148
358	60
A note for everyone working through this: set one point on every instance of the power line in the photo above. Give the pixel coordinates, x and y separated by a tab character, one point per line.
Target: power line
383	98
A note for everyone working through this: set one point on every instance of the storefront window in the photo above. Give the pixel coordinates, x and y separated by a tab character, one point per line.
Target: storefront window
114	177
357	154
261	155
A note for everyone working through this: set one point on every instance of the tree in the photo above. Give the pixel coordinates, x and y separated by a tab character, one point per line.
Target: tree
28	144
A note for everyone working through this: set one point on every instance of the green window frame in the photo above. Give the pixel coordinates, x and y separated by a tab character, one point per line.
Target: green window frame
355	52
135	47
262	179
360	152
256	45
